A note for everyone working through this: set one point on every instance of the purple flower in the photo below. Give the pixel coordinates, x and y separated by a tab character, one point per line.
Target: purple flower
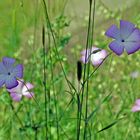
9	72
21	90
136	107
127	37
96	56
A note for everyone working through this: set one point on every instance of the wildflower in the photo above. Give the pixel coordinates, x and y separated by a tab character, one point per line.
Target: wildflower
127	37
9	72
136	107
21	90
134	74
95	55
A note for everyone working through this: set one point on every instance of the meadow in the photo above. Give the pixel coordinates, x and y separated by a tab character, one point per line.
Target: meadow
65	93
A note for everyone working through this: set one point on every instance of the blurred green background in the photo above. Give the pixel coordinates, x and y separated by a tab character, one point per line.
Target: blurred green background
21	23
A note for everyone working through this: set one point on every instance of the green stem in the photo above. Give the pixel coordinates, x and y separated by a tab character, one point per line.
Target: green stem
56	50
88	69
84	76
44	80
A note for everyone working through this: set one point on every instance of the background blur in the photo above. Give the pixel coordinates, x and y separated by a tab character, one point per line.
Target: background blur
21	23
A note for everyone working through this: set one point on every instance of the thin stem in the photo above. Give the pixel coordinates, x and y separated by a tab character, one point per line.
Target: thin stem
44	79
30	93
94	71
56	50
49	96
55	98
84	76
16	115
36	132
88	69
78	111
18	118
89	76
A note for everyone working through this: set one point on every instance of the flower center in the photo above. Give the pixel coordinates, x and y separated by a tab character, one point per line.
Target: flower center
9	73
122	40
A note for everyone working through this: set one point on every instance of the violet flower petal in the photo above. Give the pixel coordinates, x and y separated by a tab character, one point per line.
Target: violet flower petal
84	52
135	36
113	32
97	63
27	87
2	79
11	82
2	68
28	94
85	61
18	71
17	88
126	28
137	102
132	47
116	47
103	53
8	62
135	108
16	97
85	57
98	57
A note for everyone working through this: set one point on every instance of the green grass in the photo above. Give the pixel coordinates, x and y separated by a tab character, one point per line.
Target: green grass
111	90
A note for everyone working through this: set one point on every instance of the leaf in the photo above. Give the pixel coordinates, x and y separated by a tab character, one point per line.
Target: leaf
110	125
107	127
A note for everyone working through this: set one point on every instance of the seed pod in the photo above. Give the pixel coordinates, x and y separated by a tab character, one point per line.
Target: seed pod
43	36
90	1
79	70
